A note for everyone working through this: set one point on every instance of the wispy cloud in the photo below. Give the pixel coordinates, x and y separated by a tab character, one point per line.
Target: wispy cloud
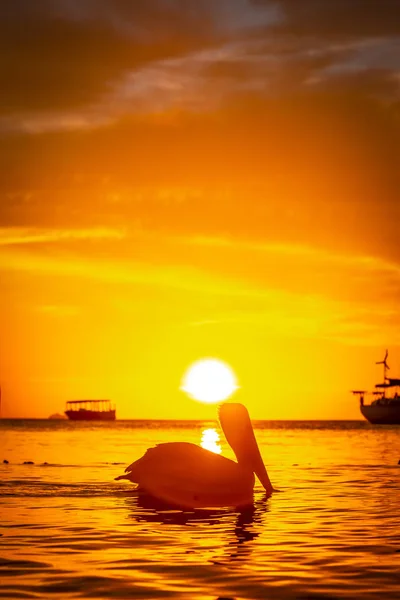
176	277
294	316
201	80
364	309
297	252
10	236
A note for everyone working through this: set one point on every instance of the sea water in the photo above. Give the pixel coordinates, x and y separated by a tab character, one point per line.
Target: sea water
68	530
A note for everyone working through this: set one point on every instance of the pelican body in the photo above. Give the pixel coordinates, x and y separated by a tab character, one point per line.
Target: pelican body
189	476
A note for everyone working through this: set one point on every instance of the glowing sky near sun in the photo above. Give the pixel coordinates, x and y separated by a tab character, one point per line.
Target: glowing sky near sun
198	179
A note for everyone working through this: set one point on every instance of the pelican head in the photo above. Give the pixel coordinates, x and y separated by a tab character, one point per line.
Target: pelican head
238	430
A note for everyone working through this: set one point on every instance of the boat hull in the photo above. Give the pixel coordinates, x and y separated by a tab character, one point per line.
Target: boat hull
382	414
91	415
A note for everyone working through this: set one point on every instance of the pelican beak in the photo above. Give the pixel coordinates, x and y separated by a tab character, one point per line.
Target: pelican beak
261	472
238	430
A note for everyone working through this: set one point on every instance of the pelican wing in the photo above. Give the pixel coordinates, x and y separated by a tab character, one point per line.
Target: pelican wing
190	476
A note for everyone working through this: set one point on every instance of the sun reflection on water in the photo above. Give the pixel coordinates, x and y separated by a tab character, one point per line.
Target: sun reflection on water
210	439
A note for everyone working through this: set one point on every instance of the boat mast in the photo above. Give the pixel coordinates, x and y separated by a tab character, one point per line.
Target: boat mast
385	368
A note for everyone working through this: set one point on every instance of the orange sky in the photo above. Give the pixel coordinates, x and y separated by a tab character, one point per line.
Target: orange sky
231	193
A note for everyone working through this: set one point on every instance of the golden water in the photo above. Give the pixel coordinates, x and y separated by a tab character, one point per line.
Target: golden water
67	530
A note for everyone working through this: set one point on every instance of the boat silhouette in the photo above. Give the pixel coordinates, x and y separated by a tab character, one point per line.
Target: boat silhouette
90	410
385	409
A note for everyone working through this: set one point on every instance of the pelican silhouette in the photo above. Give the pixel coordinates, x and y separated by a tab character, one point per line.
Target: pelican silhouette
189	476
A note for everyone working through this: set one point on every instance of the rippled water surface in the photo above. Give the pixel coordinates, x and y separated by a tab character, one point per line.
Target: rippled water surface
68	530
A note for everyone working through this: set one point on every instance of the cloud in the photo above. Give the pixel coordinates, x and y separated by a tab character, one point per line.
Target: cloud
205	79
85	65
289	138
225	266
63	54
180	277
60	54
296	317
175	83
297	252
351	18
303	269
11	236
284	290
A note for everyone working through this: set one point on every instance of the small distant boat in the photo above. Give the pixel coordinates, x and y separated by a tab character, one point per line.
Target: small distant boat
90	410
57	416
385	409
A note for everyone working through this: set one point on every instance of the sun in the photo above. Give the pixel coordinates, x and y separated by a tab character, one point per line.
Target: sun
209	380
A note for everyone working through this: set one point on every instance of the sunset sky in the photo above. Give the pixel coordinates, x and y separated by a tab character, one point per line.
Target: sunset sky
198	178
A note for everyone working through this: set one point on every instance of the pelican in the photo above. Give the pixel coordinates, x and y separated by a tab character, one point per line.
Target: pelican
189	476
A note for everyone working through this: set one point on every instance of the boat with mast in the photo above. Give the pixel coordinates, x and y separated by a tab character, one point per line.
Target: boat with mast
90	410
385	409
